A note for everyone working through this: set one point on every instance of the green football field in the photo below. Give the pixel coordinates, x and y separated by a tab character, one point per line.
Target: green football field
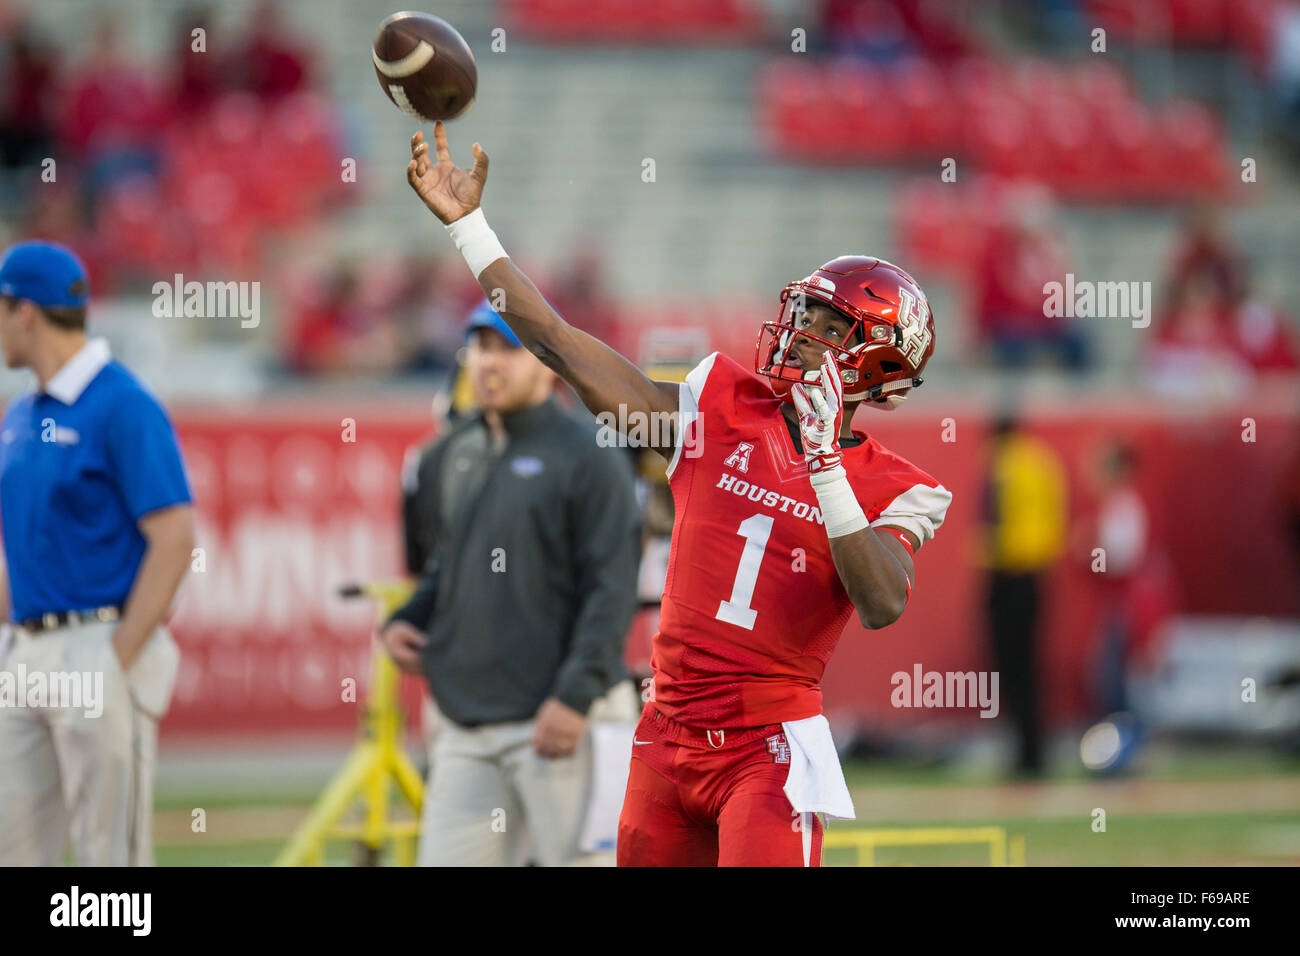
1188	807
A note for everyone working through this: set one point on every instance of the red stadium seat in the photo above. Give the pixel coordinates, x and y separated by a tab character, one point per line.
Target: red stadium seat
1068	130
923	97
874	121
1078	128
1195	149
1003	141
1136	166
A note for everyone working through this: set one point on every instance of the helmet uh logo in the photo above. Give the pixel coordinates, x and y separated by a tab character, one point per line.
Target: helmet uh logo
912	315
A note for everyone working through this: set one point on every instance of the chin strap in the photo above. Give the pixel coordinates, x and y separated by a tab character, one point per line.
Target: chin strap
876	391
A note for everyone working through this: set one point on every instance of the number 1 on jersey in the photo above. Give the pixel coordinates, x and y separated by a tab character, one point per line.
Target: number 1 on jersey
755	529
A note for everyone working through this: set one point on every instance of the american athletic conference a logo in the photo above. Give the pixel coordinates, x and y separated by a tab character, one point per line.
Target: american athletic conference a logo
739	459
779	748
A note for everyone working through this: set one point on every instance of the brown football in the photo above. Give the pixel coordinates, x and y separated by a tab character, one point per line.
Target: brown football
424	66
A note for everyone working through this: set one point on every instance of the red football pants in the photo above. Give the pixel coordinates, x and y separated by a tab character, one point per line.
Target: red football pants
712	798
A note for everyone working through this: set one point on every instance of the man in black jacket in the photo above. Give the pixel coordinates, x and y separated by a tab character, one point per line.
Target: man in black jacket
532	534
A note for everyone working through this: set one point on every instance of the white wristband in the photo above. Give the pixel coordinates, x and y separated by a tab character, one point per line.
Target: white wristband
476	241
840	509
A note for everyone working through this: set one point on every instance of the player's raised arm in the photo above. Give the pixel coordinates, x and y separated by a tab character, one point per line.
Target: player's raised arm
603	379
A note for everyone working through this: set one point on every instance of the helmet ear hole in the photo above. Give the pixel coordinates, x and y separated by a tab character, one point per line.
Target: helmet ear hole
888	367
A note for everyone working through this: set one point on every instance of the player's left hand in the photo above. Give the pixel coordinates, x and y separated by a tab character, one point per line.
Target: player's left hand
558	730
821	415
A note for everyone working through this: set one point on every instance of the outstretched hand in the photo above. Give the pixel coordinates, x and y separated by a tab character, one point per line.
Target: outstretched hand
449	191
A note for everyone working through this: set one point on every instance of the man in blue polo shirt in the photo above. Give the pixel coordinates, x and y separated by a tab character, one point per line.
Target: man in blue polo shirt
98	532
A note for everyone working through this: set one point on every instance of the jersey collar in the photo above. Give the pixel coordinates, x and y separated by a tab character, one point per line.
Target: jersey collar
792	426
71	379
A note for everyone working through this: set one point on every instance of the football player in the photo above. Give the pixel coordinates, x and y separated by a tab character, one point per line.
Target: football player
787	523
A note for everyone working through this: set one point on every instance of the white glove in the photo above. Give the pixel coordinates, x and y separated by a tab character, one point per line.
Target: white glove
821	416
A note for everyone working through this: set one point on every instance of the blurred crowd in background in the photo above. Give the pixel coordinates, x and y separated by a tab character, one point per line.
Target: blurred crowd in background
142	170
148	162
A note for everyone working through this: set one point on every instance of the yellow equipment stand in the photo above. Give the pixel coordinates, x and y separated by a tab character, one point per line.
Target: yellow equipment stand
866	841
375	762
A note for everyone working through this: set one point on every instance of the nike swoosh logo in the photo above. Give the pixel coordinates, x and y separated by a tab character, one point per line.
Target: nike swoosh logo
641	742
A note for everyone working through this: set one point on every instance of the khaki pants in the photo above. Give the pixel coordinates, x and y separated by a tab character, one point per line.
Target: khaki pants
69	773
491	800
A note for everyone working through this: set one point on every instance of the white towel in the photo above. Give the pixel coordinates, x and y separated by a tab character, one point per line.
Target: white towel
611	746
816	782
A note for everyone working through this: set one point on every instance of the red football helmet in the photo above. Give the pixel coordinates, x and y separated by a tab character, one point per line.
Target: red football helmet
889	312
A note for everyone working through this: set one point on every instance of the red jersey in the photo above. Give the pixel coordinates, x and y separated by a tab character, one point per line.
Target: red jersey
753	605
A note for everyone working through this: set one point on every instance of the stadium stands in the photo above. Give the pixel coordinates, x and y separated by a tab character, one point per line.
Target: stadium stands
1078	129
752	177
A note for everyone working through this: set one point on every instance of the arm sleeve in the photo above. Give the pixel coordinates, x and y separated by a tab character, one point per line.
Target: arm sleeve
418	611
689	396
920	509
412	532
605	525
419	494
145	456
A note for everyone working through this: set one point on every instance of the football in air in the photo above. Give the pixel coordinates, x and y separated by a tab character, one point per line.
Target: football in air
425	66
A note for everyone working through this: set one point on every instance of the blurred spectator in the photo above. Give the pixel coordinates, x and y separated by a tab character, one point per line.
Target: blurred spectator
378	314
1205	249
197	80
27	98
1195	354
942	27
1025	515
1120	530
113	114
1021	255
887	30
269	65
322	321
867	29
1262	333
1215	333
1136	598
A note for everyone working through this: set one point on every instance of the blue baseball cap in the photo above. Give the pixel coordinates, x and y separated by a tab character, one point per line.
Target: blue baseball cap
486	317
45	273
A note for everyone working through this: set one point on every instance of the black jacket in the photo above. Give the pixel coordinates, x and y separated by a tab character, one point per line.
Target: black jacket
529	584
